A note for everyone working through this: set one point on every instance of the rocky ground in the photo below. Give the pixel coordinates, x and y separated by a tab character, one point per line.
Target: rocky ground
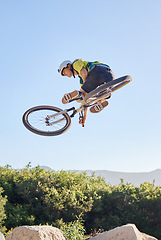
126	232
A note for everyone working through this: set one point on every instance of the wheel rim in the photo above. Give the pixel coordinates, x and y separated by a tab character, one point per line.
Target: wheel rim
37	121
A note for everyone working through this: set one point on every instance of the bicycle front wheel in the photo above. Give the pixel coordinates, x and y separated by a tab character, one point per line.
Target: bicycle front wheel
46	120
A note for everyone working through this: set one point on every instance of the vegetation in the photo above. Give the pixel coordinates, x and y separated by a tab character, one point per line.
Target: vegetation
2	211
75	202
73	230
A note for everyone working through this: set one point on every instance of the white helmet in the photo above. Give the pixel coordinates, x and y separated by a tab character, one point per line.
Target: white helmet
63	65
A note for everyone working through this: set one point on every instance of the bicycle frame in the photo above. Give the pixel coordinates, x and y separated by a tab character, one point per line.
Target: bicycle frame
84	105
91	98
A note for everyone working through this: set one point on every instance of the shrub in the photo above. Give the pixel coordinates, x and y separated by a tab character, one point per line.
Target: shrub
73	230
2	211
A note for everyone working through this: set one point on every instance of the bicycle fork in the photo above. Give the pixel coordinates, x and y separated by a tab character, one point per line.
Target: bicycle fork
49	117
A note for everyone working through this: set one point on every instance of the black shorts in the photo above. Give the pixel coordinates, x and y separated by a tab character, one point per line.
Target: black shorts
97	77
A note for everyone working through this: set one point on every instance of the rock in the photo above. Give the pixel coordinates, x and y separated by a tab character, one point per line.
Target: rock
1	236
126	232
36	233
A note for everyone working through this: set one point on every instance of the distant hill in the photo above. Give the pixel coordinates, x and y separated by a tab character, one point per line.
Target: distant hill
135	178
114	178
46	168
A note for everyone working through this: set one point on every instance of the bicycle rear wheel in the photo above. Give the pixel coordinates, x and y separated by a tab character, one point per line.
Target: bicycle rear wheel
113	85
38	121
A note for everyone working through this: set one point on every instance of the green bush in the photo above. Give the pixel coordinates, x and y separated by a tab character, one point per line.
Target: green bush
125	203
36	196
73	230
2	211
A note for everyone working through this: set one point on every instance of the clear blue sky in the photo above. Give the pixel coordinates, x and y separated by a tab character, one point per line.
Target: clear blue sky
36	36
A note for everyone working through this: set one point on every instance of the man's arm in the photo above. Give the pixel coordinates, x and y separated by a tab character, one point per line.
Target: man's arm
84	74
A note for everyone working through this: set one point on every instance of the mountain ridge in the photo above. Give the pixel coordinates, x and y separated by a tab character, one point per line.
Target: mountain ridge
114	177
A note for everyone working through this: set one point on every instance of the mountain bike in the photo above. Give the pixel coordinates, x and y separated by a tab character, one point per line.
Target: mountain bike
53	121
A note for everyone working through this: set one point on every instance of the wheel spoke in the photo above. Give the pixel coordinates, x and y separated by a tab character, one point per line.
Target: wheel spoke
37	120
